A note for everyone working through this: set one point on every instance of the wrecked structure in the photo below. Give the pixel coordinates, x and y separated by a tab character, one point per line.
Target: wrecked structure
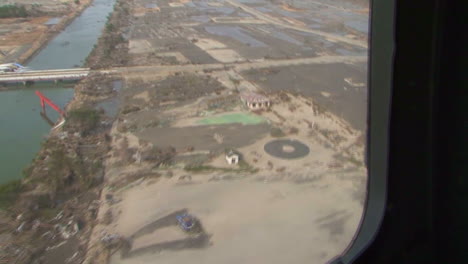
255	101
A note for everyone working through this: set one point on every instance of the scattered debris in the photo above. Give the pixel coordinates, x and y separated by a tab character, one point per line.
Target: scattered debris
186	222
255	101
111	240
20	227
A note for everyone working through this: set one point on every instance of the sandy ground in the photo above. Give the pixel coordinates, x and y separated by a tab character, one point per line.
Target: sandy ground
245	216
248	219
266	209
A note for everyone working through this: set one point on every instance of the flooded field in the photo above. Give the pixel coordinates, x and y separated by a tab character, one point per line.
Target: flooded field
340	88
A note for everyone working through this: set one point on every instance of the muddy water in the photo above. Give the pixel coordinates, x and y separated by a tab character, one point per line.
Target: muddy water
21	126
235	32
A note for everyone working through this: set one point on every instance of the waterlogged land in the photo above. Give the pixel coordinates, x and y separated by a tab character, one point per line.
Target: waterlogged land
158	147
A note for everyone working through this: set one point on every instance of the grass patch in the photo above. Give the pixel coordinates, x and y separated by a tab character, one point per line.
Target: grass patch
243	167
246	119
246	167
9	192
48	213
202	168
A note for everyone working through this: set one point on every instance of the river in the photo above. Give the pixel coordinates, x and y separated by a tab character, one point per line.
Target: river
22	128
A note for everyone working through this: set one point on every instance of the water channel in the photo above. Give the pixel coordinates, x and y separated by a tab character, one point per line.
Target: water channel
22	128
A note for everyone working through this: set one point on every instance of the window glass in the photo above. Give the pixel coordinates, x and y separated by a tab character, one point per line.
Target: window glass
174	131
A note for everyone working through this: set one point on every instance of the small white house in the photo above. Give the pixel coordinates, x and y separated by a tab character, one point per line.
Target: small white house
232	158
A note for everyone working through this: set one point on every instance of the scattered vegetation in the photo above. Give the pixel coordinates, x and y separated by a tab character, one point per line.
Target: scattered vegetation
124	182
293	130
277	132
158	156
331	135
8	11
204	168
243	166
61	167
124	153
9	192
111	49
246	167
236	82
48	213
348	158
130	108
110	27
83	119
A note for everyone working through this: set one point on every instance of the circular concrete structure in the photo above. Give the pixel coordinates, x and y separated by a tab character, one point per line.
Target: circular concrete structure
287	149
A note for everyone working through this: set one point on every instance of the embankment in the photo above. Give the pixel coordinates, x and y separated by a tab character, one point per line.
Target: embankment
49	215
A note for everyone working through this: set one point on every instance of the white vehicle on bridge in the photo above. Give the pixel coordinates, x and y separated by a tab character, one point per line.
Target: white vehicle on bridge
12	67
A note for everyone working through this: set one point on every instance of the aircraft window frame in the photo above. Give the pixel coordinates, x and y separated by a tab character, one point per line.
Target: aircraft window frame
380	69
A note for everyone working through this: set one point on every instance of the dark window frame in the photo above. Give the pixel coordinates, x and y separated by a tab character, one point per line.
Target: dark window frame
380	72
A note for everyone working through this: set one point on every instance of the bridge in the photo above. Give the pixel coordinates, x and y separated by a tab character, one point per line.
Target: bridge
81	73
44	75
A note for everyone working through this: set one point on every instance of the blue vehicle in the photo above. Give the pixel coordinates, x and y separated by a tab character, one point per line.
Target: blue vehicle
186	221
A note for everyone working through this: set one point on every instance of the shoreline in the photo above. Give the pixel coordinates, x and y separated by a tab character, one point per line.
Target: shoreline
52	32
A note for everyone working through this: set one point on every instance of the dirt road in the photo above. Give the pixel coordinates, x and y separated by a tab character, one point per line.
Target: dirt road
237	66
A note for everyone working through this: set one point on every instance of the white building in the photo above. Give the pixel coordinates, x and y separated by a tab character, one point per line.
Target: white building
232	158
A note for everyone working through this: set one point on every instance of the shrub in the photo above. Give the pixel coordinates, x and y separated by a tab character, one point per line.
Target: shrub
7	11
9	192
84	119
110	27
277	132
293	130
130	108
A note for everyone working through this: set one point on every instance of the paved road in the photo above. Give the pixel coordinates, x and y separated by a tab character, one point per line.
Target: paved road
45	75
241	66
